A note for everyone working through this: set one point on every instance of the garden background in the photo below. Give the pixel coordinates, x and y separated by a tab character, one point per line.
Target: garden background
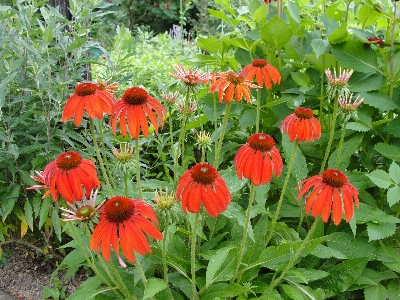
267	228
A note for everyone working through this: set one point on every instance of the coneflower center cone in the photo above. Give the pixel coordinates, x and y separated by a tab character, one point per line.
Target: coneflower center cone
334	178
259	63
235	79
68	160
304	112
85	89
261	141
118	209
135	96
204	173
85	212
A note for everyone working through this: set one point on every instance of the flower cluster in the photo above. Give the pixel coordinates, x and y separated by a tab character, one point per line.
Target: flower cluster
337	83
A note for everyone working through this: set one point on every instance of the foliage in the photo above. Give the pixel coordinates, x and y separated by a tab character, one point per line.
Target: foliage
269	249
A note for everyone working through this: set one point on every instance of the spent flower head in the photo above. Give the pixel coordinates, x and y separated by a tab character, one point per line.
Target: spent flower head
124	157
348	108
190	109
190	77
337	83
169	97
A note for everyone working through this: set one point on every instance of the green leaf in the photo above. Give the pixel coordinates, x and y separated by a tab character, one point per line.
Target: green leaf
322	251
301	78
154	285
379	101
393	195
44	211
365	82
341	276
221	290
393	66
243	57
299	291
324	61
339	35
367	213
276	33
89	289
210	44
375	292
300	168
319	46
248	118
394	172
28	214
378	231
218	14
393	289
389	151
261	194
56	222
261	14
380	178
50	293
3	86
8	202
354	55
349	246
393	127
221	265
233	183
348	149
356	126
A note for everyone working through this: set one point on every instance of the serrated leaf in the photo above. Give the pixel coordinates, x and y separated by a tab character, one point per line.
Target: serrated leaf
300	168
365	82
375	292
388	151
319	46
394	172
349	246
232	181
379	101
8	202
154	285
322	251
28	214
301	78
341	276
393	127
55	219
217	265
209	44
44	211
348	149
393	195
354	55
339	35
248	118
309	293
378	231
358	127
221	290
276	33
380	178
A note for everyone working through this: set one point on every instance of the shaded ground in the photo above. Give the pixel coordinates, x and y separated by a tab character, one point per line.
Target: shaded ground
26	276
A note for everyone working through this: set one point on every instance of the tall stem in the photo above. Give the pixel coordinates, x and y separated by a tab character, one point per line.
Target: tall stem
258	110
103	151
275	282
340	144
246	227
96	146
221	137
126	183
328	148
193	256
164	256
141	273
139	188
289	170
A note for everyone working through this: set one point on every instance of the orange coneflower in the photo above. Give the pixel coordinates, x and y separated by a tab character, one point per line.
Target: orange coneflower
44	186
89	97
301	125
202	183
331	192
135	106
67	174
263	71
258	159
190	77
231	83
125	219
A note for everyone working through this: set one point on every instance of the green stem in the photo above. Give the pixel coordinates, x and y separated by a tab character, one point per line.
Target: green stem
215	112
164	256
112	278
221	138
332	131
289	170
103	151
103	170
141	273
340	144
258	110
171	136
139	188
246	227
275	282
193	256
126	183
121	281
181	141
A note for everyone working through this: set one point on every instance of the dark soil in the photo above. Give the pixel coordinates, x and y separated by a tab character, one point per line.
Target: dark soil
28	273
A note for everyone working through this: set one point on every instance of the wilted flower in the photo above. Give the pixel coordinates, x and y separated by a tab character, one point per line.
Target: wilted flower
348	108
135	106
124	156
123	221
331	191
337	85
258	159
68	174
263	71
202	183
164	200
189	77
229	84
190	109
104	86
45	186
82	210
301	125
89	97
170	97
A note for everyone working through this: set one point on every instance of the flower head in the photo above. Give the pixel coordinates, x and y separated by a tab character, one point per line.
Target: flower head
67	174
135	106
331	191
124	156
204	140
189	77
229	84
89	97
170	97
258	159
124	221
202	183
263	71
347	107
44	186
104	86
337	84
301	125
191	108
82	210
